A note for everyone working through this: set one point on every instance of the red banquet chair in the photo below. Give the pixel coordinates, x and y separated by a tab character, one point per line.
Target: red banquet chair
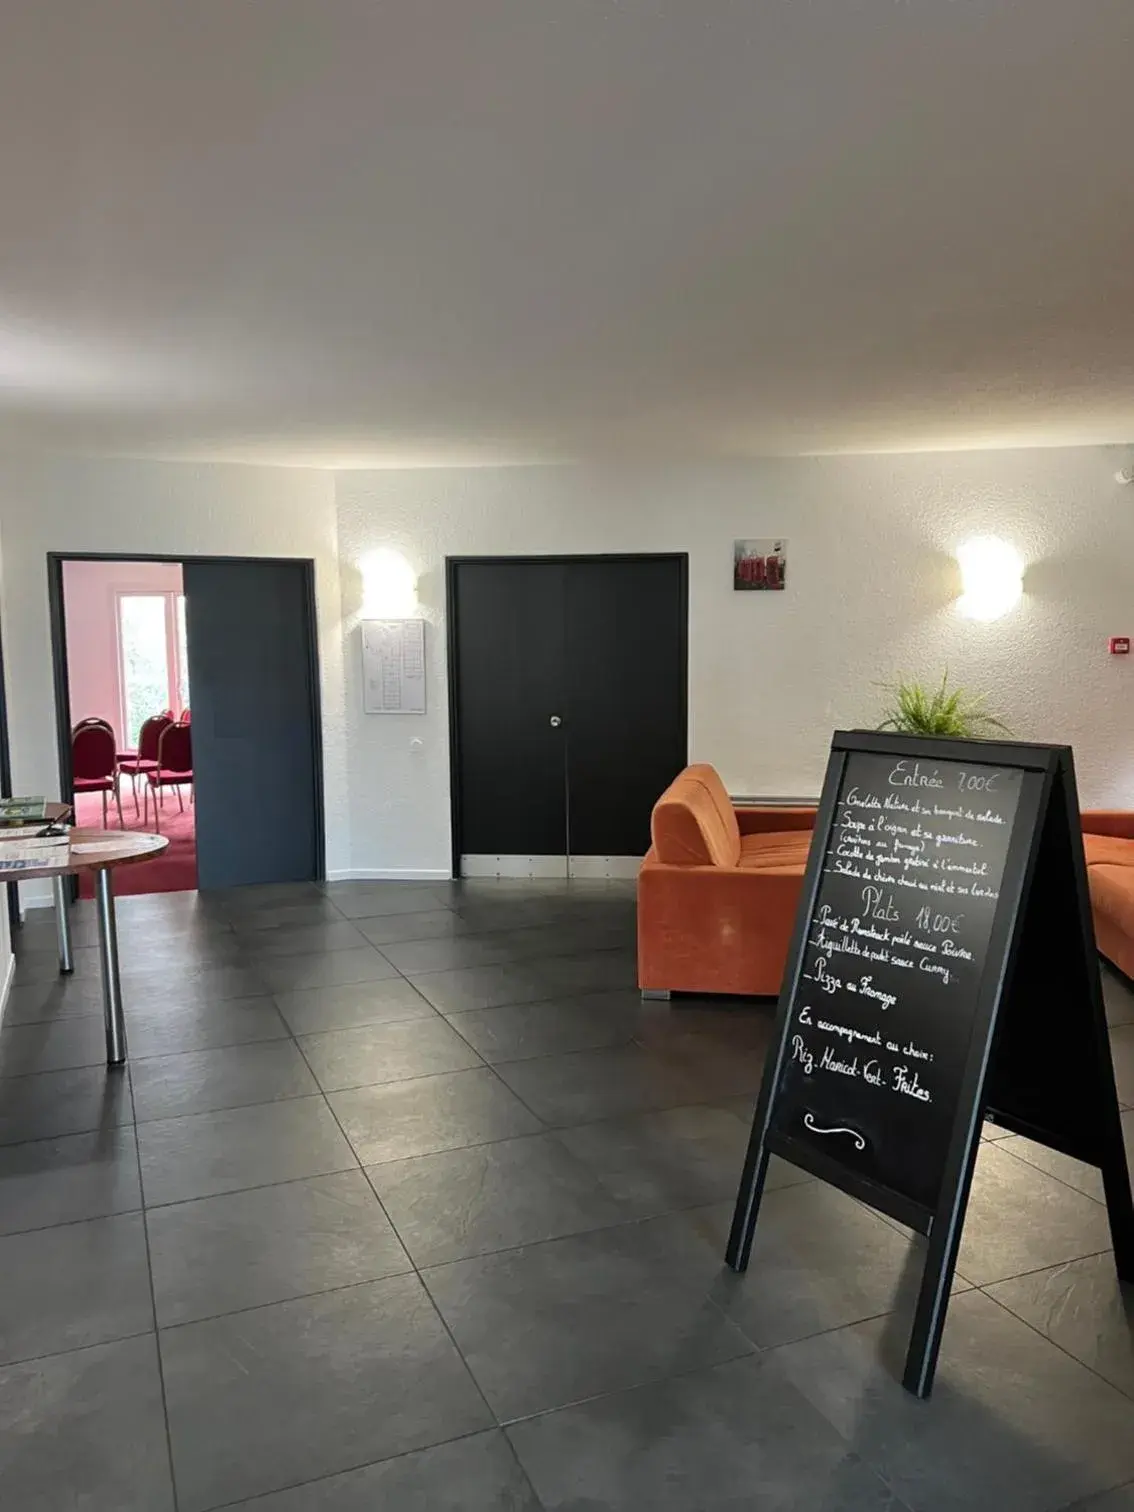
94	764
145	759
174	768
91	722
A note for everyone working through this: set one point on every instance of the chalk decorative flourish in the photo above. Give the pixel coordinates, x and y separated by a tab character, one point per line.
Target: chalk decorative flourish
809	1123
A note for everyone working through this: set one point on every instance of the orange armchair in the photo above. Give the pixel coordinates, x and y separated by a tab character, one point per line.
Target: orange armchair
718	890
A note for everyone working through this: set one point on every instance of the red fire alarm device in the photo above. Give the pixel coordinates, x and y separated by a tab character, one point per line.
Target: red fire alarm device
1119	645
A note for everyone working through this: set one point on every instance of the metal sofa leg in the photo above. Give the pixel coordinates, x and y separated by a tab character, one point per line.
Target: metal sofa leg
650	994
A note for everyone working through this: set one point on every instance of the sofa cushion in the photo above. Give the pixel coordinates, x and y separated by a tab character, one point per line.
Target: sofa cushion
1112	895
780	850
693	823
1108	850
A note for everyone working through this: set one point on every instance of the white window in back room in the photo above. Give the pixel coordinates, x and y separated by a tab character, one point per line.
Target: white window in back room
151	648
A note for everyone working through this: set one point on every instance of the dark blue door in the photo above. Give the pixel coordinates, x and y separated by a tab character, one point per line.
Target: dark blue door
252	666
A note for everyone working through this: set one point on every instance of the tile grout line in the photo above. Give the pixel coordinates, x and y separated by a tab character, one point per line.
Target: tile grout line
153	1295
583	1233
643	1111
1126	1395
483	1065
416	1271
293	1038
997	1143
545	1129
755	1355
757	1349
556	1130
349	1144
73	1349
1037	1270
306	1296
387	1459
559	1131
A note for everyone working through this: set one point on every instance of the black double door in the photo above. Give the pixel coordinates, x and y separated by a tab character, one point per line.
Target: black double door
569	702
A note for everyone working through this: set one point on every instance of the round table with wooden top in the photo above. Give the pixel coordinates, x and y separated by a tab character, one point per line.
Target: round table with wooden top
98	851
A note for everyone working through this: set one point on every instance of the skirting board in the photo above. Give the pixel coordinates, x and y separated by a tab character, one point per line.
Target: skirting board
604	868
391	874
593	868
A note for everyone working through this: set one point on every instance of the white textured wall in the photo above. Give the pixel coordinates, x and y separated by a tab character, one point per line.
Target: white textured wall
872	585
61	504
871	590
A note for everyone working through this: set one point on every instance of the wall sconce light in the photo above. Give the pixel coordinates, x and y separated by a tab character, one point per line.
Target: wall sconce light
992	578
389	586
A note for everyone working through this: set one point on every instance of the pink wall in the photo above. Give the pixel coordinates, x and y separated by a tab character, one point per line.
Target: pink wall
89	603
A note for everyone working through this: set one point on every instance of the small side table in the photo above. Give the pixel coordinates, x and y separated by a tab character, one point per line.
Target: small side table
99	851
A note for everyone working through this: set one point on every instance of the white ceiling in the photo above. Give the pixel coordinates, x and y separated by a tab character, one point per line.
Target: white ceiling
424	231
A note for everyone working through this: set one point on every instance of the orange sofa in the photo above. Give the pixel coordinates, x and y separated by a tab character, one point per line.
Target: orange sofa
718	890
1108	840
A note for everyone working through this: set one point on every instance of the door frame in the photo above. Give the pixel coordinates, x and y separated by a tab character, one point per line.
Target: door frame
555	559
55	561
11	889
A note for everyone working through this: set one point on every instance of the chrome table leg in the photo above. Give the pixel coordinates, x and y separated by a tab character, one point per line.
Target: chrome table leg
108	960
63	924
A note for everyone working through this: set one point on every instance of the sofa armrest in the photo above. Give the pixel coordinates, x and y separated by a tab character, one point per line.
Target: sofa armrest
774	819
1116	822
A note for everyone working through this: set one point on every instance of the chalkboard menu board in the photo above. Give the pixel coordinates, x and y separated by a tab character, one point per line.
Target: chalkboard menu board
945	885
896	944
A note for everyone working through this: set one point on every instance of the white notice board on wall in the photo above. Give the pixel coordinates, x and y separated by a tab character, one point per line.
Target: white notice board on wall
393	666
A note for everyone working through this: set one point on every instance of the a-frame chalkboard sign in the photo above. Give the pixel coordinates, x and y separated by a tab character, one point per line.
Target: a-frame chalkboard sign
942	970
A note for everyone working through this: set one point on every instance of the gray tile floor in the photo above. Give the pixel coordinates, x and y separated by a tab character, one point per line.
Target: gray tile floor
407	1202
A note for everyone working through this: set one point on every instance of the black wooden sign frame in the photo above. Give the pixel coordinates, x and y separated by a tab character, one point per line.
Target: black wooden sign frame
1038	1060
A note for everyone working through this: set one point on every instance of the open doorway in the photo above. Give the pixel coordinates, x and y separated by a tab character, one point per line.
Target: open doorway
233	639
130	711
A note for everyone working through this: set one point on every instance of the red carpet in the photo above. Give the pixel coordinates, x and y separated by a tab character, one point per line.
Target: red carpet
175	870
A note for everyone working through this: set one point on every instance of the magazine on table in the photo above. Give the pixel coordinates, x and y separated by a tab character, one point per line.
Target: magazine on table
30	845
22	810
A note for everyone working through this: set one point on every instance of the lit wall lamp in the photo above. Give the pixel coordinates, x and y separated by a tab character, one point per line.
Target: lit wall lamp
389	586
992	578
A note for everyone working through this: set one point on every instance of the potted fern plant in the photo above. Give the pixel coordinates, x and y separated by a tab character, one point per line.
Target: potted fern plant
918	709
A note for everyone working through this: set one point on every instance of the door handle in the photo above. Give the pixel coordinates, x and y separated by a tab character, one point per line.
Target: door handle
555	721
